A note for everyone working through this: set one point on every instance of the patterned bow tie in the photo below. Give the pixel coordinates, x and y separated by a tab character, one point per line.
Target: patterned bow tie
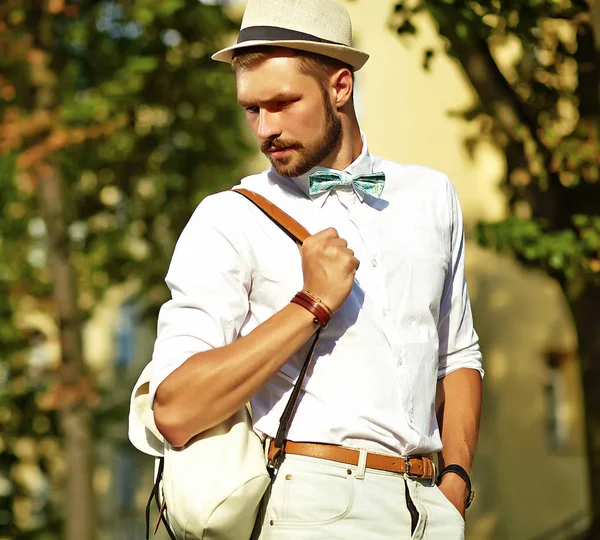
322	181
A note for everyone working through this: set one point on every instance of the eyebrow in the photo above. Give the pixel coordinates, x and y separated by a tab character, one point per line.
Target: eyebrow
276	97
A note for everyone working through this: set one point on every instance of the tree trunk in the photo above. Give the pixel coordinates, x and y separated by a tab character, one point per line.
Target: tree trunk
585	306
585	313
73	391
79	520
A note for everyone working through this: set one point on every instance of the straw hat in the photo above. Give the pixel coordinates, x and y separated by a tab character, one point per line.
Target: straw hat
317	26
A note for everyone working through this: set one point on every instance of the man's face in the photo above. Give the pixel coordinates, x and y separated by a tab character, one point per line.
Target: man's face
296	125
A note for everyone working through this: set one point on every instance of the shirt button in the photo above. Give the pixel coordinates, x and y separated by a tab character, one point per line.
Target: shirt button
399	360
374	263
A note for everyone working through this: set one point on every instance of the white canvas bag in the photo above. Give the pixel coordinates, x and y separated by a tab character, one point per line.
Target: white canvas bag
213	486
211	489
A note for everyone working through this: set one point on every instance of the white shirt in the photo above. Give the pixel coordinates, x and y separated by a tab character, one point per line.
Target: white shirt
406	323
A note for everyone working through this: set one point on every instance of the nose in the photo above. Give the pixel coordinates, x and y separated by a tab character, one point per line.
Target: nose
268	125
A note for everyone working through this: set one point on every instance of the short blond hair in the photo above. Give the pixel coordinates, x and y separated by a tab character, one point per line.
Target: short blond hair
318	66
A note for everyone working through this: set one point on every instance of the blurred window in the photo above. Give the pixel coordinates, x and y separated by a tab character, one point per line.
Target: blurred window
125	336
561	399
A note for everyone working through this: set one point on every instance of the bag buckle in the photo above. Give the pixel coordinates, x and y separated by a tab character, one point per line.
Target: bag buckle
275	462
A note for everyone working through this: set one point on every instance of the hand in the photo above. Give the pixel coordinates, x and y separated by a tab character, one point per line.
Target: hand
328	266
454	489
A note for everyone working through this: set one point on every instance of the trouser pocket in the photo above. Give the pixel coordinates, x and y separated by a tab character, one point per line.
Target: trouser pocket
446	503
309	494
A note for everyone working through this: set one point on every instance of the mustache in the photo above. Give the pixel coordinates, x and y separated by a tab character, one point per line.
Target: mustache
278	144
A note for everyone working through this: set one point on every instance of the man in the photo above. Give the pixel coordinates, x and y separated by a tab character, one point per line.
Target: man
400	346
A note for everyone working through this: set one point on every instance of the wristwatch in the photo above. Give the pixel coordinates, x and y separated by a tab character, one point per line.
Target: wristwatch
457	469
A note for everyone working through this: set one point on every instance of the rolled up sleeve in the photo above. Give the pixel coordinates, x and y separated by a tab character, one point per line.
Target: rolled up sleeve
458	341
209	279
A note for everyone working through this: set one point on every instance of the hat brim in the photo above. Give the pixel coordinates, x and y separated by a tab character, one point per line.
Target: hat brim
353	57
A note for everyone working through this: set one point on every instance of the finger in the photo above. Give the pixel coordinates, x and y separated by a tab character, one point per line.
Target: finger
337	242
326	234
338	253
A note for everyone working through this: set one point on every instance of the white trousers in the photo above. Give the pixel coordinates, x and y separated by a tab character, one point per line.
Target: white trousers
314	499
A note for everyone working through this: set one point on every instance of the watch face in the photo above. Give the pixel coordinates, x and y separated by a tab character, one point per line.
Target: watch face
470	498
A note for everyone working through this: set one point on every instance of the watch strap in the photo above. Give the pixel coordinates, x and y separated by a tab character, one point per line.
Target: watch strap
460	471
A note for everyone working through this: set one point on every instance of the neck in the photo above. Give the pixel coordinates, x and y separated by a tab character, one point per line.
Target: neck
349	147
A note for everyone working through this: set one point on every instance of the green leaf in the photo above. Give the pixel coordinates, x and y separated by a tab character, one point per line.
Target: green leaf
142	64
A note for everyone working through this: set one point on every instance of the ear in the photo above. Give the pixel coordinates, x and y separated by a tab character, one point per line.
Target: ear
343	86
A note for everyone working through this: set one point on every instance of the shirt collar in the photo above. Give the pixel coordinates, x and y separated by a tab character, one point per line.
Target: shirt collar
361	165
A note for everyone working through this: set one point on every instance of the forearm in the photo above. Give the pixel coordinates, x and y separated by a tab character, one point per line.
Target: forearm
210	386
458	406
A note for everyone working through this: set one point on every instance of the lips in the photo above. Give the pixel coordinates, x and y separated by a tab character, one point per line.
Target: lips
279	152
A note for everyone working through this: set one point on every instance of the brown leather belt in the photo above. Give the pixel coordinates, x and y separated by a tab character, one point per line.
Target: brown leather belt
417	467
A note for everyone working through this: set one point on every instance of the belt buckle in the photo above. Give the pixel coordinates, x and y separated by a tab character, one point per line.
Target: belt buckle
409	474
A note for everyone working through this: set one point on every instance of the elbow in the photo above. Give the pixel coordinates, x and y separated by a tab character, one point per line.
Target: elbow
169	425
169	415
176	420
172	416
182	412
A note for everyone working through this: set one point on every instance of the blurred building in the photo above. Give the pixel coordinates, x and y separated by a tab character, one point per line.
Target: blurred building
530	470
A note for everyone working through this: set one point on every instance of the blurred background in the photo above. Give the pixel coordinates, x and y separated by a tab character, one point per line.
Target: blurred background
115	123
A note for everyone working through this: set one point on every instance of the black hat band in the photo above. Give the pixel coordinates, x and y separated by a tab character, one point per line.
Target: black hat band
275	33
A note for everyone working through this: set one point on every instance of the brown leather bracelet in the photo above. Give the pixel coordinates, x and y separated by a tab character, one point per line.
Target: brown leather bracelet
309	297
321	312
317	299
321	315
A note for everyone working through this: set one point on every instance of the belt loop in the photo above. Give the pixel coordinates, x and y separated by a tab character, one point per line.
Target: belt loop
434	473
362	464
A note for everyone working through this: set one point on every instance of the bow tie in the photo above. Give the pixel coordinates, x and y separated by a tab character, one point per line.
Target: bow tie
322	181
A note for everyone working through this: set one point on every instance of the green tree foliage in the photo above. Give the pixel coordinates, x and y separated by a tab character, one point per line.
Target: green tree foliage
117	103
543	110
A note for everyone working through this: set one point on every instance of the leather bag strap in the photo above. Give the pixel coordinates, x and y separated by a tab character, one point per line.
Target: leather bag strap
297	233
161	507
285	222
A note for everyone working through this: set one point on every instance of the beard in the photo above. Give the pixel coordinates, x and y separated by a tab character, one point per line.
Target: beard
305	157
